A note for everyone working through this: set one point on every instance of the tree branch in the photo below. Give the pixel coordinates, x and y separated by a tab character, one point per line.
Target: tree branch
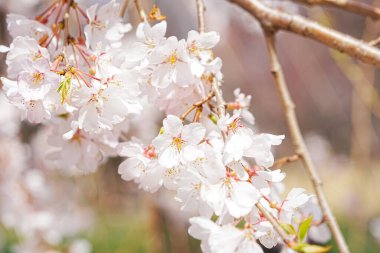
66	17
275	224
124	7
275	19
284	160
140	10
298	141
347	5
201	17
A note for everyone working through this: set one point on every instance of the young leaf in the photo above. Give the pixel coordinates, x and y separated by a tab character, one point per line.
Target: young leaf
65	89
288	228
304	227
315	249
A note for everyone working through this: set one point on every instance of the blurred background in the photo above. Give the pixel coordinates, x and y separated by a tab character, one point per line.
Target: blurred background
337	102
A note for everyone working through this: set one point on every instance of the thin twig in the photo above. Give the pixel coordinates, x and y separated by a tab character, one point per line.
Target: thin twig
298	141
375	42
220	104
200	13
276	19
284	160
359	80
140	10
275	224
197	105
66	17
124	8
348	5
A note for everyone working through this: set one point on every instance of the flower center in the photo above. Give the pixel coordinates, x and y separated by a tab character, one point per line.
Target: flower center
37	78
234	125
173	58
98	24
177	141
150	152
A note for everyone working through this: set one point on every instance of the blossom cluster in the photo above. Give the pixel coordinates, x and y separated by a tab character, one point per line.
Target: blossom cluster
76	71
32	202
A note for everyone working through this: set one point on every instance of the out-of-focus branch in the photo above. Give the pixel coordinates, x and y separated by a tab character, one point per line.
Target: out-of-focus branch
274	223
275	19
298	141
284	160
374	42
124	7
201	17
348	5
220	104
367	93
66	17
140	10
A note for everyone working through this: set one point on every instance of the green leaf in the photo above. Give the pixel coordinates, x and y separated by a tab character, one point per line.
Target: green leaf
213	118
315	249
307	248
288	228
304	228
65	89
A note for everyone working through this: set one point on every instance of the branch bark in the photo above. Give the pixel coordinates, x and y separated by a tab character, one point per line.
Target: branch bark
66	17
279	20
124	7
275	224
201	17
347	5
298	141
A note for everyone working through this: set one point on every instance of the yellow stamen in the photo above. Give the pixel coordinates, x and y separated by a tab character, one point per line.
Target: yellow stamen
37	78
178	142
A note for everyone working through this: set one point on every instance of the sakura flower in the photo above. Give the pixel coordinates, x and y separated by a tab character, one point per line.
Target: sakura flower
199	46
201	229
231	196
242	102
104	26
35	110
223	239
19	25
239	137
148	38
23	51
195	180
141	166
173	64
266	234
296	198
36	81
319	233
104	105
178	143
77	150
260	148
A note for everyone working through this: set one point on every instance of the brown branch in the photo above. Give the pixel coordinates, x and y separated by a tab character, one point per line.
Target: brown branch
284	160
140	10
200	13
197	105
348	5
220	104
275	19
124	7
359	80
275	224
298	141
66	17
375	42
